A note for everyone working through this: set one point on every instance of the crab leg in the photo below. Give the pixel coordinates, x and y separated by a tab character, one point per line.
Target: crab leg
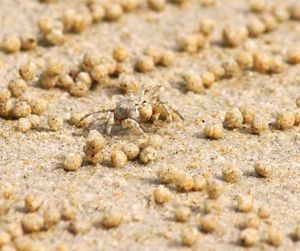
93	113
132	124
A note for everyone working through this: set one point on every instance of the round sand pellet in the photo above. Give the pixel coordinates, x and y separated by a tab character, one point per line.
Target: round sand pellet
234	36
206	26
51	217
95	157
208	223
167	58
72	162
32	222
217	70
193	82
113	11
256	27
230	173
17	87
157	5
293	55
145	64
38	106
55	123
155	141
211	206
32	202
295	11
248	114
231	68
131	150
162	195
264	212
79	89
23	125
48	82
4	239
244	59
79	226
120	53
259	125
28	71
257	6
130	85
285	120
249	237
11	44
296	234
182	214
245	203
208	78
189	236
130	5
28	42
184	182
167	175
263	169
68	211
269	21
112	218
252	222
95	142
118	159
233	119
21	110
262	62
6	108
280	12
14	230
35	121
199	183
214	189
275	236
214	131
148	154
5	95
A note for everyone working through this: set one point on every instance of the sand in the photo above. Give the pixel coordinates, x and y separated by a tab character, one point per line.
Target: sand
32	162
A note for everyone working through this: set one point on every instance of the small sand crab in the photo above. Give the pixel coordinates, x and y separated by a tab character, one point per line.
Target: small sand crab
134	110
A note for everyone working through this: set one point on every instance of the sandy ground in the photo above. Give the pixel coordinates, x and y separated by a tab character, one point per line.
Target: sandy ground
32	162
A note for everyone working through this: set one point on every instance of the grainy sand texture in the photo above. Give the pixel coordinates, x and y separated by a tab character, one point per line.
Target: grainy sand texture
202	102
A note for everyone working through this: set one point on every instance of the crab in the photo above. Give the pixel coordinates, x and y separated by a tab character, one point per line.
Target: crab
135	110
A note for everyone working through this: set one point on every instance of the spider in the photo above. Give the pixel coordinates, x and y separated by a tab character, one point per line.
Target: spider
135	110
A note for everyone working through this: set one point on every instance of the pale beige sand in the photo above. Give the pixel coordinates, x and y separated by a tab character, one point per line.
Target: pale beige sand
32	161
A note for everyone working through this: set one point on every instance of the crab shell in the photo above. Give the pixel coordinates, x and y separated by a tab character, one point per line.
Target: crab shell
127	109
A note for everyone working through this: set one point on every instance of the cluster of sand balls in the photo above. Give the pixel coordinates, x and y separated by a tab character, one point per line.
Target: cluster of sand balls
79	80
266	20
210	221
15	105
145	151
237	118
198	40
40	215
154	56
97	69
243	61
54	31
